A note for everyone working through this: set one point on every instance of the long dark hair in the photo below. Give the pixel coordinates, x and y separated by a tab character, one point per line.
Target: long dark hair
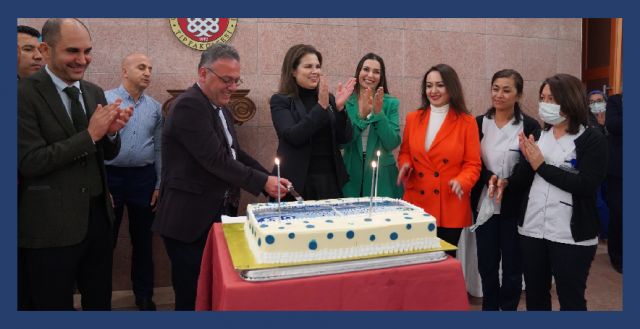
519	82
383	74
453	85
569	92
288	84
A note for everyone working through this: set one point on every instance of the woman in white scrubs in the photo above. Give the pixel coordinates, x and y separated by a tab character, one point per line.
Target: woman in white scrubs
567	164
497	238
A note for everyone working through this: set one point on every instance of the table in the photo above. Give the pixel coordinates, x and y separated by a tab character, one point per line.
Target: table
431	286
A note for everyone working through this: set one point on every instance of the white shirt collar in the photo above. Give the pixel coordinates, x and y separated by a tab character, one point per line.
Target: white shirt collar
60	85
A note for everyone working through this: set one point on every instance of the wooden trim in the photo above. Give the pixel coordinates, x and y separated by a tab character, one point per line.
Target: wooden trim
598	72
615	57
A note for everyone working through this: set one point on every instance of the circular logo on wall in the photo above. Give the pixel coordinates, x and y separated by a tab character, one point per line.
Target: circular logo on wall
200	33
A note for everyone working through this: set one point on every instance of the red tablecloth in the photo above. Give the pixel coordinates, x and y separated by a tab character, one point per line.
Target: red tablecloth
433	286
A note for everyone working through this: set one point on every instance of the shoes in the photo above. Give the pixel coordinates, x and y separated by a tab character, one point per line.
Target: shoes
145	304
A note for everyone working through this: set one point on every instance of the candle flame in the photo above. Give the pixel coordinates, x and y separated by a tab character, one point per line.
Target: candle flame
277	162
373	164
378	153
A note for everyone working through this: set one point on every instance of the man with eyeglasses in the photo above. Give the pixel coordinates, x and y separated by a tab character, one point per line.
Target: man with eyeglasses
203	168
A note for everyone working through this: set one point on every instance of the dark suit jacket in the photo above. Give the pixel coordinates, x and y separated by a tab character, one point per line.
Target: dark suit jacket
614	127
295	127
53	164
197	168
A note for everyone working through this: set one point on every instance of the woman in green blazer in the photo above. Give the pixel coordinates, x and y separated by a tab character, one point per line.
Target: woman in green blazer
375	127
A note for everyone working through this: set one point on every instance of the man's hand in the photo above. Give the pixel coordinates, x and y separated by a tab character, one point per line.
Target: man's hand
154	200
102	119
121	120
272	187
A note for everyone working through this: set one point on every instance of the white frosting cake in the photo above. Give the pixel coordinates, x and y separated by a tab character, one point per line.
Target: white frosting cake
337	229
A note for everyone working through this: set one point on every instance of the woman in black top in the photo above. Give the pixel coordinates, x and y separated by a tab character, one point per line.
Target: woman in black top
497	238
562	172
310	123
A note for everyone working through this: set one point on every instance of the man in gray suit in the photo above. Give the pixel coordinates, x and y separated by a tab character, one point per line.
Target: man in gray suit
65	132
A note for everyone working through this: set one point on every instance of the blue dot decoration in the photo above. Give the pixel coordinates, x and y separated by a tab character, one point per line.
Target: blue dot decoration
329	221
288	223
367	219
264	225
393	236
269	239
407	217
372	237
313	245
306	222
387	219
408	226
292	235
406	214
259	242
431	227
329	236
310	226
350	234
281	228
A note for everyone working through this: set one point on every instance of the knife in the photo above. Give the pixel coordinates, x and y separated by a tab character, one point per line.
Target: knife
295	194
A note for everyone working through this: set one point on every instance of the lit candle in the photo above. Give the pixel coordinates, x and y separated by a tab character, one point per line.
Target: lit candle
373	174
278	169
375	191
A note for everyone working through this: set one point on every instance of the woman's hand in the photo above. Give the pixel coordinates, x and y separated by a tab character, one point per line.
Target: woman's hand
323	92
404	174
377	101
343	93
530	150
456	188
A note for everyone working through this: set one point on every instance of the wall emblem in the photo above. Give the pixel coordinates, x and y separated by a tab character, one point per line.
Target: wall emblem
200	33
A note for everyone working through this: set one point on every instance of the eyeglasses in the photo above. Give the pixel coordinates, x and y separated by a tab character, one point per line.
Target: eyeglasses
227	80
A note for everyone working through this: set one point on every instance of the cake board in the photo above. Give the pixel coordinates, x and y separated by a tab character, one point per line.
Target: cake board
250	270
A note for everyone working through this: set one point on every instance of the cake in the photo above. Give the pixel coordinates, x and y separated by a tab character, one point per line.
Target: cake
337	229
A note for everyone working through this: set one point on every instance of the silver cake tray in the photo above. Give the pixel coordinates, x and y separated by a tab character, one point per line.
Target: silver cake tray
301	271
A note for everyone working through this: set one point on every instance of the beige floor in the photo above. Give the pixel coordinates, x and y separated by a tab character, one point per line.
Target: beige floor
604	291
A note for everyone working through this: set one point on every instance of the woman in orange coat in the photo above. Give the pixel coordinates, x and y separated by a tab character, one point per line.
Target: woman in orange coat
439	157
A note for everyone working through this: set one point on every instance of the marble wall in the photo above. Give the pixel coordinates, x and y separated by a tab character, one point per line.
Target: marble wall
476	48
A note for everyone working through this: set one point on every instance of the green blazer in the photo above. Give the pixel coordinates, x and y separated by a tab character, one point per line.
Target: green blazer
384	135
57	165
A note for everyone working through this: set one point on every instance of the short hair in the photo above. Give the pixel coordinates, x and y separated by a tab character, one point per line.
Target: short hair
51	30
217	51
383	74
519	83
28	30
569	92
453	85
288	84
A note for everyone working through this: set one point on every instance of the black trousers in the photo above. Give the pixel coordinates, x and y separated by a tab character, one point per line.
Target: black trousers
451	235
614	201
497	240
186	258
568	264
50	275
132	187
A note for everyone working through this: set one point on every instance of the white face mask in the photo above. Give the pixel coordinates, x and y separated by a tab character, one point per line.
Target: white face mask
550	113
598	107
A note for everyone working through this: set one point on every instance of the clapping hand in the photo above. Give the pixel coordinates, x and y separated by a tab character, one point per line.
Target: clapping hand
343	93
377	102
530	150
323	92
496	187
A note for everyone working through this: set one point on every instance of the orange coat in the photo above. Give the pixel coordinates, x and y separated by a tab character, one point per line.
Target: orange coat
454	153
